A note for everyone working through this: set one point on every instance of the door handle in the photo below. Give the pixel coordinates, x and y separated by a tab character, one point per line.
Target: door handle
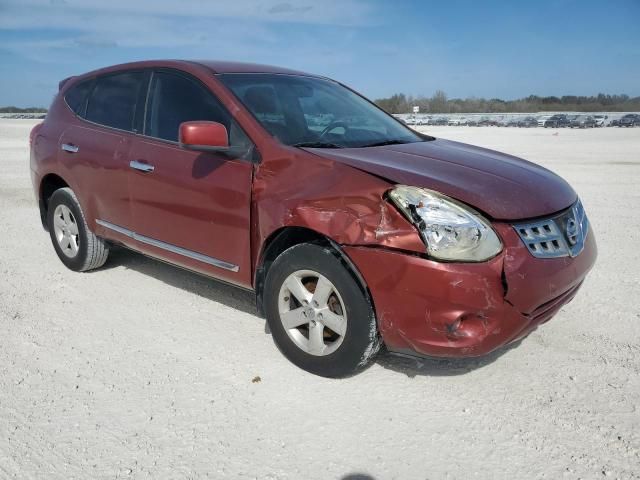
143	167
69	147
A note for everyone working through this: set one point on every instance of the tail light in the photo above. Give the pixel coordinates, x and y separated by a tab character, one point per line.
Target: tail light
33	133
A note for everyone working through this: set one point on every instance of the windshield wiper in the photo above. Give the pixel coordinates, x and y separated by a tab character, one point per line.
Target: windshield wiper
317	145
385	142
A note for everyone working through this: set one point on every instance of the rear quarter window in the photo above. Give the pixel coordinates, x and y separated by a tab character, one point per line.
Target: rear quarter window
76	96
113	100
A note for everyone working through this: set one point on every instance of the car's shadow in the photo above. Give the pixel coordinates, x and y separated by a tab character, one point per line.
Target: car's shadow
186	280
244	301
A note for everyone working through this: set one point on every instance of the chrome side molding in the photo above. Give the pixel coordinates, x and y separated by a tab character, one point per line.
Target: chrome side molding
169	247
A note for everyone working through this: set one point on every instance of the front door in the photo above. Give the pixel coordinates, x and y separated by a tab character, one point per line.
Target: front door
190	208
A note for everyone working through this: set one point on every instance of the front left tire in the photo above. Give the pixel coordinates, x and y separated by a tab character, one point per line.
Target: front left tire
318	314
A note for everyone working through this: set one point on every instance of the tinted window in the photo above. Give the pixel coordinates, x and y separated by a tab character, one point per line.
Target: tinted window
175	99
76	96
113	100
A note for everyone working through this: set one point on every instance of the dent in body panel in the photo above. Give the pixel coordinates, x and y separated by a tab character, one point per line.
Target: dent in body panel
418	302
467	309
335	200
433	307
535	281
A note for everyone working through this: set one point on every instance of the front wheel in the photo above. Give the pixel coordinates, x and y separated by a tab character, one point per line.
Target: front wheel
77	247
318	314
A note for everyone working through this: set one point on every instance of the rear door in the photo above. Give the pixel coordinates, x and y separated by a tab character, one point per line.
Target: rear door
96	150
191	208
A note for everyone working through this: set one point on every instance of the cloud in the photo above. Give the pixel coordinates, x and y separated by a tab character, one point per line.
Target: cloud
87	25
86	34
333	12
53	39
288	8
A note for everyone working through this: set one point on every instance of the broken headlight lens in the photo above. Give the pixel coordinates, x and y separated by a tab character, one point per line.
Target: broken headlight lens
451	230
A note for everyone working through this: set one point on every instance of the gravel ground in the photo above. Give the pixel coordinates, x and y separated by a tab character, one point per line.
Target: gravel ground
142	370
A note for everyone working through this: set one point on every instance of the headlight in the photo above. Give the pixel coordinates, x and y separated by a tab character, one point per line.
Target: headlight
451	231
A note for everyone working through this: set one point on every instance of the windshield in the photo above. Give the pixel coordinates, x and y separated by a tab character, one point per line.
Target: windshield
312	112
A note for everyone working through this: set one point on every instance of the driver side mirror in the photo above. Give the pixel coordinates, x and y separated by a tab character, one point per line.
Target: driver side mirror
204	136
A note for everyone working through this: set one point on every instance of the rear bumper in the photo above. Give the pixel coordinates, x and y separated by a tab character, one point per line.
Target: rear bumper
465	310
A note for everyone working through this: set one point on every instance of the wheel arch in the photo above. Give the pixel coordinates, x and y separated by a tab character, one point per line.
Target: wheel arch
289	236
48	185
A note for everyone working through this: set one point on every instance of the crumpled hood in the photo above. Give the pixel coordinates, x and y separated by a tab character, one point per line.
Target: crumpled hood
502	186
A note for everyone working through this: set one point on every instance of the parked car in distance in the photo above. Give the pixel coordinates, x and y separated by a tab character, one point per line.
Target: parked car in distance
347	228
600	120
453	121
512	122
583	121
543	119
472	122
629	120
558	120
614	123
528	122
487	122
440	121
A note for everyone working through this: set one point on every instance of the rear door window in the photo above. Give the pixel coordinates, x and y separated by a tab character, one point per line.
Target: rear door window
113	100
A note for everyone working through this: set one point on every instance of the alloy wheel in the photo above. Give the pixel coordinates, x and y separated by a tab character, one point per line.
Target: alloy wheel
312	312
66	231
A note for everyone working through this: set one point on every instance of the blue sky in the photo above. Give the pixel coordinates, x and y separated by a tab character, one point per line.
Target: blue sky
505	49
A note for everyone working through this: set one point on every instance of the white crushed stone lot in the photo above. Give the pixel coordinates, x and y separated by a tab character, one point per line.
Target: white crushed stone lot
142	370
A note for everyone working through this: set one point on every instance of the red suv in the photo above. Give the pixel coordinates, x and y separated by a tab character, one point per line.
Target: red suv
352	229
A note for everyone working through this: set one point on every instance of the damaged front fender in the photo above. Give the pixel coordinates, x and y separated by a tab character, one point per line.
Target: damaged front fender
334	200
422	306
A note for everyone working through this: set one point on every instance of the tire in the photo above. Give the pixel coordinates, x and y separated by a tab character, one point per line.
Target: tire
296	273
77	247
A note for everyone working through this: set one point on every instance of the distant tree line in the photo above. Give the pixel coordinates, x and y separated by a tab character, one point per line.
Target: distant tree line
440	103
22	110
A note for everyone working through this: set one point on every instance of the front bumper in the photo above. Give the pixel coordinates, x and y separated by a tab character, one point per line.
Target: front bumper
468	309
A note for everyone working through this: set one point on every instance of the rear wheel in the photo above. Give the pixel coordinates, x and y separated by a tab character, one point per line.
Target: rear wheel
319	316
77	247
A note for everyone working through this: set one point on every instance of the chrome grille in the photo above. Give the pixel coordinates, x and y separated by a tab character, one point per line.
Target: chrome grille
559	236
